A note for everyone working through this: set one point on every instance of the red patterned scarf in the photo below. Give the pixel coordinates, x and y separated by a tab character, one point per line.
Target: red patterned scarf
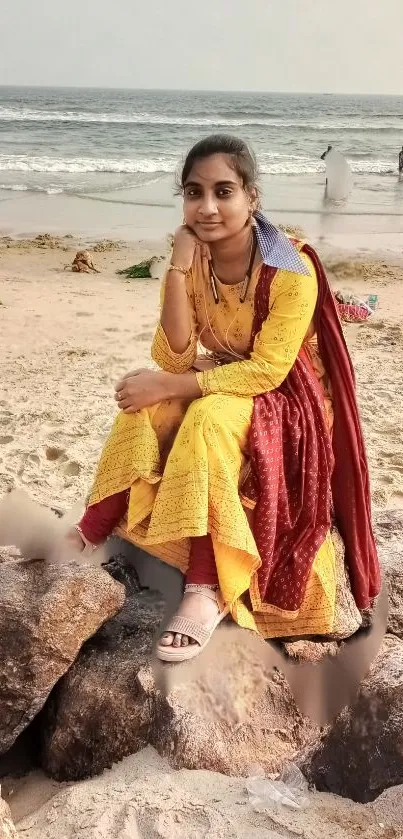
299	476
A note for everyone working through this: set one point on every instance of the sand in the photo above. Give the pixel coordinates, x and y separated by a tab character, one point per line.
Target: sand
64	340
142	798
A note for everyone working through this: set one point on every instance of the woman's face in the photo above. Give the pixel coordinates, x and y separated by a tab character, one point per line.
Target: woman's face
216	206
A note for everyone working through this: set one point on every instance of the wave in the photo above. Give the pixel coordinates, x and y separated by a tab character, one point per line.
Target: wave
144	119
81	165
48	190
269	164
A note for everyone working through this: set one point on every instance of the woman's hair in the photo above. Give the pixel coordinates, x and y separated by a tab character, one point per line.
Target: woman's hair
241	158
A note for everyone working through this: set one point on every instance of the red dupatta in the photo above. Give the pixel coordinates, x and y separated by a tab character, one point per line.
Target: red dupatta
299	476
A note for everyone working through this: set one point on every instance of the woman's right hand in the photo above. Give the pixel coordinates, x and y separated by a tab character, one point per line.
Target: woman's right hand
185	243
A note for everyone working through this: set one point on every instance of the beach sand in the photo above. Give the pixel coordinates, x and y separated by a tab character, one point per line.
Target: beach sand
66	338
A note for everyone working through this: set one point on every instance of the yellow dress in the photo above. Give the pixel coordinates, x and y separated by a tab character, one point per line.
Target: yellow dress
183	461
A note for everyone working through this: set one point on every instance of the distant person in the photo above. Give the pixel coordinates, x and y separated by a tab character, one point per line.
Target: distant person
329	148
338	175
401	161
322	157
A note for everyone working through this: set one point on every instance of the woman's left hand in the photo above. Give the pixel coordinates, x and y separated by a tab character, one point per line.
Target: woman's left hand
141	389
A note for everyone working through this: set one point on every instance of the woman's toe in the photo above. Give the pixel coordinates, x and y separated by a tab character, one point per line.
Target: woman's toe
185	641
177	642
166	639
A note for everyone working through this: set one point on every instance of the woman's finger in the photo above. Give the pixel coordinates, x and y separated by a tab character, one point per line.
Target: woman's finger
126	403
131	410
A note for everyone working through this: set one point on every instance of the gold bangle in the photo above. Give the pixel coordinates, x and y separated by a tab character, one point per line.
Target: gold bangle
178	268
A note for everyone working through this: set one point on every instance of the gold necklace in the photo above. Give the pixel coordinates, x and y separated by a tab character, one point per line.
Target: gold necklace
245	284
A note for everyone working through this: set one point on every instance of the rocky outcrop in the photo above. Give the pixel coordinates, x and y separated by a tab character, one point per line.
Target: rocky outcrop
389	534
212	714
100	711
7	829
46	614
361	754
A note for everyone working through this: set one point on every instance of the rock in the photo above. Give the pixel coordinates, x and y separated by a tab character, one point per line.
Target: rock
389	807
361	754
100	711
46	614
229	710
223	712
389	535
7	829
310	651
143	797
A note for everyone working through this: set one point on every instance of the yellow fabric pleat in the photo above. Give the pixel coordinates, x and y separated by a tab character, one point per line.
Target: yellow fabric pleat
182	466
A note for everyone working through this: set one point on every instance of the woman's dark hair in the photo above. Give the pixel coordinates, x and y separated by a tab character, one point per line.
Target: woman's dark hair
241	158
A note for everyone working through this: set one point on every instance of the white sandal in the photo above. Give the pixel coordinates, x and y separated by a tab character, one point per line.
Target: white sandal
199	632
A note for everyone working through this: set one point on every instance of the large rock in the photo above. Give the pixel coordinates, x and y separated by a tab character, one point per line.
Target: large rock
46	614
389	535
224	712
361	754
7	829
143	798
99	712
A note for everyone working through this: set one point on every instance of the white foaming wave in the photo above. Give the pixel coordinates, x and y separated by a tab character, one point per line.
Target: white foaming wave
15	187
29	115
293	165
49	190
23	163
269	164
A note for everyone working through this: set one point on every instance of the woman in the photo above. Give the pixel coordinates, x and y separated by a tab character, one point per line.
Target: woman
240	468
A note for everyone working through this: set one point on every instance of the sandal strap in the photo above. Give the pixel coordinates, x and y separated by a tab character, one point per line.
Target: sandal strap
207	591
187	626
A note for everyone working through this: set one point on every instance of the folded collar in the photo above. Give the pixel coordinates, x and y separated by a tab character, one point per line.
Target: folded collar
276	249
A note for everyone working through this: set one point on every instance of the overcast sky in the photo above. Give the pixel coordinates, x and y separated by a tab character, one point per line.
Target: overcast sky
346	46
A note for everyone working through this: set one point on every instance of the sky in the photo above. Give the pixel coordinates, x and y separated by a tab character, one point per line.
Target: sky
329	46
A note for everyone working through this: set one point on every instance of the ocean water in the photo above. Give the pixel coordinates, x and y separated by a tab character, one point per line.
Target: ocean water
89	141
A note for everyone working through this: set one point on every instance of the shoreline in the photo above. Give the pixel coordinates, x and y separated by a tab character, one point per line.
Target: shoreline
370	221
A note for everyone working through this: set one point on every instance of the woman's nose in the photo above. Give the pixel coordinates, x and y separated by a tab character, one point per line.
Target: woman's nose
208	205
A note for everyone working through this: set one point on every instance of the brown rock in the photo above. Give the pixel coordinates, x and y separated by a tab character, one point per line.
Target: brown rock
389	534
361	754
99	711
224	712
229	710
46	614
7	829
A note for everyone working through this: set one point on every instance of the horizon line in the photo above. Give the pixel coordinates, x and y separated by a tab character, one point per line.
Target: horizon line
199	90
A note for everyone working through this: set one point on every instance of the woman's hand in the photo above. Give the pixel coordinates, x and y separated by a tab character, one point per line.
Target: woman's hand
185	243
141	389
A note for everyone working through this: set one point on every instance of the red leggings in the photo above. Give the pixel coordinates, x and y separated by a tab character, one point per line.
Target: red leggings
99	520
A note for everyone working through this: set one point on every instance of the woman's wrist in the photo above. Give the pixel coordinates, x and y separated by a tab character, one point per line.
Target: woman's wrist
181	385
182	260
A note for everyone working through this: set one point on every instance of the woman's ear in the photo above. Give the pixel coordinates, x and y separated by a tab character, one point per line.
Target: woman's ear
253	198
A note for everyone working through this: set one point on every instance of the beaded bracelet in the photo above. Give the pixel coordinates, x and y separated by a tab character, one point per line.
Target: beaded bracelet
179	269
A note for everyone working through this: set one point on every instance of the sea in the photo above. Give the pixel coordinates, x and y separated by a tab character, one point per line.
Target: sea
106	143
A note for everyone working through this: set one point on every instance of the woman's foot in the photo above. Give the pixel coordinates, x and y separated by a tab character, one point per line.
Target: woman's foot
74	543
199	614
74	540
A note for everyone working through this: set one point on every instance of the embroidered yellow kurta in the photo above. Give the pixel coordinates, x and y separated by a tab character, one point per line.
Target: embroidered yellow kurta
182	462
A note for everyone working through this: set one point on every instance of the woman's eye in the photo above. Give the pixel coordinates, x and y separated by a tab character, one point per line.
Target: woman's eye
224	193
192	193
